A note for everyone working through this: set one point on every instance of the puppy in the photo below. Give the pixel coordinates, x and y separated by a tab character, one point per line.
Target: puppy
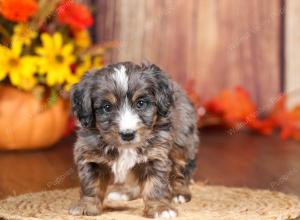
136	126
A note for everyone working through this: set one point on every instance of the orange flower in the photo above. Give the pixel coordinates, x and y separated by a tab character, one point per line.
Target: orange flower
74	14
18	10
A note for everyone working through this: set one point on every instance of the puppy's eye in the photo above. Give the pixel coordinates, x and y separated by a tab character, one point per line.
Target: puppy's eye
141	104
107	107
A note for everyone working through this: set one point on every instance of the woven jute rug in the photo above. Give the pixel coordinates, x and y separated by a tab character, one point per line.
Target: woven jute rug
208	203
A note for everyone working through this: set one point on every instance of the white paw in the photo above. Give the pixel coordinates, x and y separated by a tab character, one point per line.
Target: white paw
166	214
179	199
115	196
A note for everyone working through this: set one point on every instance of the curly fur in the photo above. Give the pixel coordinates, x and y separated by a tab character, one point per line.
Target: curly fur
160	155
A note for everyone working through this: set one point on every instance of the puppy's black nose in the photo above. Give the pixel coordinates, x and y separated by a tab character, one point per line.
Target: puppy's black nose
127	135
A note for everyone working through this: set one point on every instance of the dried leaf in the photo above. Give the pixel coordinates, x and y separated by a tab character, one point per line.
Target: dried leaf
232	106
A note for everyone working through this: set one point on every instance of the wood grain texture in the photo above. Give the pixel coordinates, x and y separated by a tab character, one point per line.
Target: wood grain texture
292	52
215	44
38	170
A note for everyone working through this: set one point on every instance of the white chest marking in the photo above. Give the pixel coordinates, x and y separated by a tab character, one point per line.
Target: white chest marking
127	159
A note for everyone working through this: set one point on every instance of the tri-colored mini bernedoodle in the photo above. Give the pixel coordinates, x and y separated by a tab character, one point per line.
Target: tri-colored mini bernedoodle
138	128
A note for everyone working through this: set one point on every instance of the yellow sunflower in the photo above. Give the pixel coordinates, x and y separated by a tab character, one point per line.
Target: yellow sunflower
23	34
19	69
55	58
85	65
81	68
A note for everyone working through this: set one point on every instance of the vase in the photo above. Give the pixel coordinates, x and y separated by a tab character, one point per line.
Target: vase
29	123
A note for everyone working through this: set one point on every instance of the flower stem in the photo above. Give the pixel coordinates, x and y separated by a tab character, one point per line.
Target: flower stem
4	33
47	7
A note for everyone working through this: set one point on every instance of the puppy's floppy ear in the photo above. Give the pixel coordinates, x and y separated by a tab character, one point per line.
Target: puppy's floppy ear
81	101
163	90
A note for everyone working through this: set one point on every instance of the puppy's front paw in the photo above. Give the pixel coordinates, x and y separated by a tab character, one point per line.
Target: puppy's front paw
85	208
167	214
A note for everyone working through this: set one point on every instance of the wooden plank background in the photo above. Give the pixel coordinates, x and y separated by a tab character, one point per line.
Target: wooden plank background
215	44
292	52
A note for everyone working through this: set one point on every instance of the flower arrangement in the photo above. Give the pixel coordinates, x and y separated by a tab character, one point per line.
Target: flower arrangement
45	44
45	47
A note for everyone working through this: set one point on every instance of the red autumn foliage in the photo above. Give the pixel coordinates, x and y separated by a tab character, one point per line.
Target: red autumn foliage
287	121
232	106
74	14
236	109
263	126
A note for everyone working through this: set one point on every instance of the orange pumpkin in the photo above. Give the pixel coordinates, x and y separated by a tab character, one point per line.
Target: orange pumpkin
26	122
